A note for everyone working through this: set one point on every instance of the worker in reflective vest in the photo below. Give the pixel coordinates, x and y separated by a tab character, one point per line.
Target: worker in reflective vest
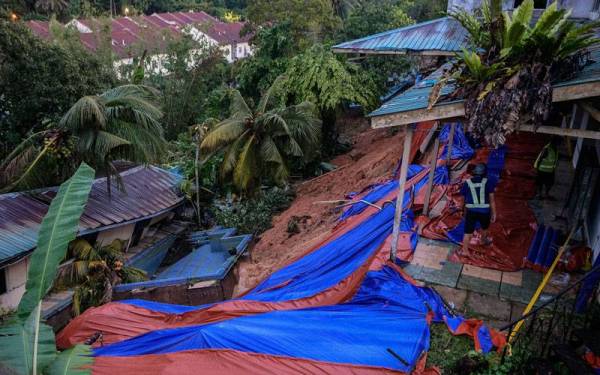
480	205
545	165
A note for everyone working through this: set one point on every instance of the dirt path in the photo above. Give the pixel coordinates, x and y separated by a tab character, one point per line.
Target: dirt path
374	156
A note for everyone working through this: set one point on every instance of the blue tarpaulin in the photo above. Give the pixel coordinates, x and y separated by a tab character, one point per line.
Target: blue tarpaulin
386	312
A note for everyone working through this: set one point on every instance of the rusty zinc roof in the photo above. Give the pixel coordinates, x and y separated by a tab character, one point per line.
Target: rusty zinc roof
442	36
149	191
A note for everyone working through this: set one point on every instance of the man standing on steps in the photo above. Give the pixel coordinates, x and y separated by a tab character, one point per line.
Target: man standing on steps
480	206
545	165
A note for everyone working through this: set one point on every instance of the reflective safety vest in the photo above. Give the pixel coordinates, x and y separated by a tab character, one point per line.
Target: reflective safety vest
477	198
548	163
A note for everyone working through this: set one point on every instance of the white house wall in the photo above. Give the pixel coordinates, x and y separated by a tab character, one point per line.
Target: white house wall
124	233
243	50
16	277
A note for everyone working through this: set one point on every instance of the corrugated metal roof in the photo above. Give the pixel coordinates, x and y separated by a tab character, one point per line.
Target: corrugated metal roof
148	192
591	73
443	35
417	97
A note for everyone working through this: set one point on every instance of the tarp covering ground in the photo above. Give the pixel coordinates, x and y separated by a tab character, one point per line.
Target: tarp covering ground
338	308
511	166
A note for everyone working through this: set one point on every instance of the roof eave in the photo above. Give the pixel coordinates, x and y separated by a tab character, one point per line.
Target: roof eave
446	110
394	52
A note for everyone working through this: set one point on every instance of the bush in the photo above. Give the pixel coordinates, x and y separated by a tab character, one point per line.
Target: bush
254	215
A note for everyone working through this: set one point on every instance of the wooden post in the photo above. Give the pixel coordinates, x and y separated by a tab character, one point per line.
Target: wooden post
450	143
432	167
408	134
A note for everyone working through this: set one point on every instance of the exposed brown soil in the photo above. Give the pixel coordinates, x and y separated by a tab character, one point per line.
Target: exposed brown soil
372	159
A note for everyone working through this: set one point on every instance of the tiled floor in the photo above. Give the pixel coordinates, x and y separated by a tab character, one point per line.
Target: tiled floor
430	264
498	295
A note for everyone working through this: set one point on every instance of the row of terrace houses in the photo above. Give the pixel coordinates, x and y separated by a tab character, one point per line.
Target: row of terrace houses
130	36
141	215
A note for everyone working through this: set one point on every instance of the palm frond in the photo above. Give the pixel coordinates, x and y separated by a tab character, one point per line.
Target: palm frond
144	145
134	109
245	168
271	156
142	91
22	147
231	154
224	133
15	166
32	174
239	109
87	113
273	91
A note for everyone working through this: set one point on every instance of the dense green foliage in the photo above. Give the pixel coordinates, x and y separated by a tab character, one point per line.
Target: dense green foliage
65	9
320	77
260	142
311	21
274	47
120	124
39	81
57	107
372	17
27	343
252	215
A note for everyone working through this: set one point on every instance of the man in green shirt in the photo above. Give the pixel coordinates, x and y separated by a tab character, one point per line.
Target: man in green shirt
545	165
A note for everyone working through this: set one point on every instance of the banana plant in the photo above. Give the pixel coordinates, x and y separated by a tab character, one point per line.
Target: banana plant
506	77
28	345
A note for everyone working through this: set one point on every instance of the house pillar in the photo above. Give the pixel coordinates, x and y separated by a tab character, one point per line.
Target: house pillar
432	167
408	134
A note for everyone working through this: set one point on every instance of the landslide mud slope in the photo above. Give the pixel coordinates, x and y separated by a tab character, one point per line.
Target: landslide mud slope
372	159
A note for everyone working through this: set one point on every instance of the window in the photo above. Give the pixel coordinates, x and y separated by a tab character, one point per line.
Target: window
3	288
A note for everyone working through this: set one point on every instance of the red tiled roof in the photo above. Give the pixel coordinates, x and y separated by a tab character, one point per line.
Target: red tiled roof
126	32
39	28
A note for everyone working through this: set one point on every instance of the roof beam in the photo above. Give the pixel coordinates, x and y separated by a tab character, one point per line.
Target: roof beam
565	132
393	52
442	111
589	107
575	91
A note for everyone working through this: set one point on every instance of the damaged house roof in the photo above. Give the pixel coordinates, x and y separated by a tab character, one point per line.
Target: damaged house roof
148	192
411	105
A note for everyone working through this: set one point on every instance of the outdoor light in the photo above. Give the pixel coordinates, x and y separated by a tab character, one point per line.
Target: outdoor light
126	10
13	16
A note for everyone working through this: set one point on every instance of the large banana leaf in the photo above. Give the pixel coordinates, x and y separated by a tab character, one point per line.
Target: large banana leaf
74	361
17	341
59	227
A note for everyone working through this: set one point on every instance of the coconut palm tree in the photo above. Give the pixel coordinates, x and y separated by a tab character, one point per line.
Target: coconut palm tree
94	271
260	143
119	124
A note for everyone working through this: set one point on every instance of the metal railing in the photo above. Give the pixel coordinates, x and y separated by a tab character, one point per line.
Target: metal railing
551	322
